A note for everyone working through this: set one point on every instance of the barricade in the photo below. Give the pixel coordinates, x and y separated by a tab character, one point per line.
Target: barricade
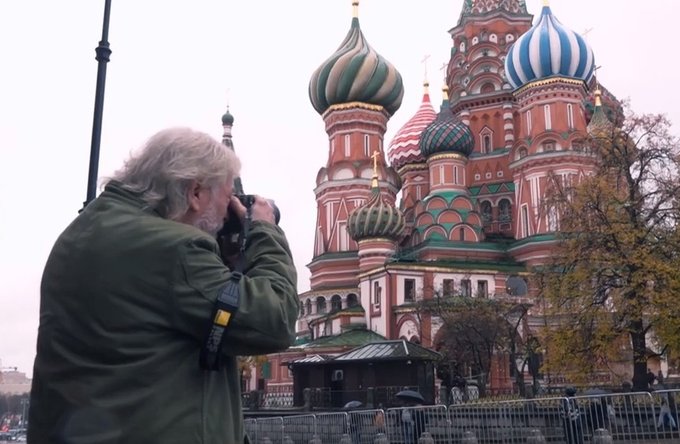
331	426
627	417
299	428
507	421
365	425
631	418
407	424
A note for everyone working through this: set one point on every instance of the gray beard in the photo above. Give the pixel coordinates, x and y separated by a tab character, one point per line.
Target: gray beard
209	221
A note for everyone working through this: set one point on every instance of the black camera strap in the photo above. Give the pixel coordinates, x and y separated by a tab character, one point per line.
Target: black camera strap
226	306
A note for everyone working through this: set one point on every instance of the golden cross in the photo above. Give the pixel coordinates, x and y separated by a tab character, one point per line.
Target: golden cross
424	62
597	82
375	156
443	69
586	32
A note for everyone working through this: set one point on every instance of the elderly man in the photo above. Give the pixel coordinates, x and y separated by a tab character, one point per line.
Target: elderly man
128	297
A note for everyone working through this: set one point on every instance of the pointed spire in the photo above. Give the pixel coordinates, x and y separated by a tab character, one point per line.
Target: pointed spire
599	126
546	3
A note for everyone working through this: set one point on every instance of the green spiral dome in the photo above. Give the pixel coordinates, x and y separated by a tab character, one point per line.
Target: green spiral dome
446	134
376	218
356	73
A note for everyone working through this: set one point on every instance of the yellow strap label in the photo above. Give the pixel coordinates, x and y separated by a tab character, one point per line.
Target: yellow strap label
222	318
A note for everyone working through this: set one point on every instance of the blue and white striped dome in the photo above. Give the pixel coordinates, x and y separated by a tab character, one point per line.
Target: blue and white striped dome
548	49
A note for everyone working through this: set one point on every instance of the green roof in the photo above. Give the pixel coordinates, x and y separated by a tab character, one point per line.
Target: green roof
351	338
389	350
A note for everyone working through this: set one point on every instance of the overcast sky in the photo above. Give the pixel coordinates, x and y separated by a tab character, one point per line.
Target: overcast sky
180	62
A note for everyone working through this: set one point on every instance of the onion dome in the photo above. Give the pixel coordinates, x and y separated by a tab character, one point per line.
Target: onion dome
356	73
404	147
446	134
600	127
227	118
548	49
375	218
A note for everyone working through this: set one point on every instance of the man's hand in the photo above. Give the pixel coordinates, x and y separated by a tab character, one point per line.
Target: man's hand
262	210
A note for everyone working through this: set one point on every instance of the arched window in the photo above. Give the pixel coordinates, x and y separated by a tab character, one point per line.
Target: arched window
376	294
486	212
308	306
487	88
336	303
487	143
461	234
320	305
522	152
516	286
352	300
504	211
548	146
486	140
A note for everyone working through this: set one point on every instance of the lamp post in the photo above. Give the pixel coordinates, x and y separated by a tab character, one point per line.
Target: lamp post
103	52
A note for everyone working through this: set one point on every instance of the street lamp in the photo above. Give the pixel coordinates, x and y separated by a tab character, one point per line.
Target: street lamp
103	52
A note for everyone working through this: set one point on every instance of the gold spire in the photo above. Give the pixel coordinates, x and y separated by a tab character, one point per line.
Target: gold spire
355	8
598	97
374	181
426	87
546	2
445	92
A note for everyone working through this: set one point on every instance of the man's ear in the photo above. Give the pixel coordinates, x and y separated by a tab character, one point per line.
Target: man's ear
194	196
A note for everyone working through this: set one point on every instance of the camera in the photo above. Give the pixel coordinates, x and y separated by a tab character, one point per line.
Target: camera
234	233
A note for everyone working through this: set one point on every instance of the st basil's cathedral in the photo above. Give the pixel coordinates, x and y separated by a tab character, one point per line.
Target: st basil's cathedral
455	202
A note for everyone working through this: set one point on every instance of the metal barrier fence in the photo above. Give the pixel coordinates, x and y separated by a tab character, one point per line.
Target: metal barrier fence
598	418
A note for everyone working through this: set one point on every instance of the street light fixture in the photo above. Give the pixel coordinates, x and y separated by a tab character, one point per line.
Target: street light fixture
103	52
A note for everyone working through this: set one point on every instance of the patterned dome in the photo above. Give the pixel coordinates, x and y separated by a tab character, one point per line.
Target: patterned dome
446	134
376	218
600	127
548	49
356	73
227	118
404	147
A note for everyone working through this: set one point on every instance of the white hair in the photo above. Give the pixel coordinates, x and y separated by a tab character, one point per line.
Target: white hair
163	170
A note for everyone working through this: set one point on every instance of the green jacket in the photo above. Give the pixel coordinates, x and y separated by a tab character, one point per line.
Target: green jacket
126	301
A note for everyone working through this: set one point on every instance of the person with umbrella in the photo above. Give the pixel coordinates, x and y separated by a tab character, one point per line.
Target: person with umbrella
353	420
412	419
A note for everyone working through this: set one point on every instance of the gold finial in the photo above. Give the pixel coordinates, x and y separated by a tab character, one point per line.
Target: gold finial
355	8
597	92
374	156
546	2
598	98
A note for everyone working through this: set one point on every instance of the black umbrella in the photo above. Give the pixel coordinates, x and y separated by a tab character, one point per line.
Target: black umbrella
596	391
411	395
352	405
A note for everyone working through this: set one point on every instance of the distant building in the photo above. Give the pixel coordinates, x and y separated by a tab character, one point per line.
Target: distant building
13	382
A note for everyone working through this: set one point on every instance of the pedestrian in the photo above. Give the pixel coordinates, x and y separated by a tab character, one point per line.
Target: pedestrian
650	378
665	415
129	304
571	418
659	377
413	422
